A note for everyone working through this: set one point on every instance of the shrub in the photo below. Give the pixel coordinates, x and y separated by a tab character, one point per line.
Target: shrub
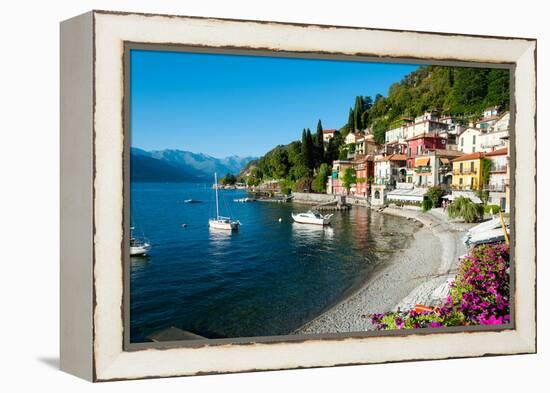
435	193
491	209
479	295
427	204
464	208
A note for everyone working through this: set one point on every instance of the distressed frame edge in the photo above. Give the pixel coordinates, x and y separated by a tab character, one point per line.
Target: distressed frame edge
76	196
528	341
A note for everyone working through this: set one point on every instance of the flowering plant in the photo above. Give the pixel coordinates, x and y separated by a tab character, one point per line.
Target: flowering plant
479	295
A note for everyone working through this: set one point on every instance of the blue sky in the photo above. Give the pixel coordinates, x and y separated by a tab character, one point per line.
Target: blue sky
225	105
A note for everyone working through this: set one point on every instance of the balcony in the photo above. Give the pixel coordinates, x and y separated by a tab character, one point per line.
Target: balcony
499	187
465	171
423	169
462	187
498	168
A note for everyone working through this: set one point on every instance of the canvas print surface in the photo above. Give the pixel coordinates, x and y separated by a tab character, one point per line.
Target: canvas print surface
274	196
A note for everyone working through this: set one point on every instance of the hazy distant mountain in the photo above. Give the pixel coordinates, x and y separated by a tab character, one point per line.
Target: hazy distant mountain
178	165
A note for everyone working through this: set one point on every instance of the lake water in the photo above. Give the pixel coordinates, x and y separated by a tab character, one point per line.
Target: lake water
269	278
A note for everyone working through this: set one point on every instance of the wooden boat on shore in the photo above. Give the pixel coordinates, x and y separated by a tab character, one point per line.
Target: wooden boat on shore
312	217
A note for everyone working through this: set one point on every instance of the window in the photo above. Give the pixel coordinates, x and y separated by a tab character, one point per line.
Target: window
473	139
461	142
461	168
418	150
471	166
410	151
460	181
473	149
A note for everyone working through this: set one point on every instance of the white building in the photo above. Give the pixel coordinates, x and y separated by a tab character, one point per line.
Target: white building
498	178
468	141
328	135
351	138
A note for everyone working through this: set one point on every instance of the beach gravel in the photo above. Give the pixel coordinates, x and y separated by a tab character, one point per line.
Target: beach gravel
419	274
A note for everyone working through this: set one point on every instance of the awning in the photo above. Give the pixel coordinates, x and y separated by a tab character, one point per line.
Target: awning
444	160
422	161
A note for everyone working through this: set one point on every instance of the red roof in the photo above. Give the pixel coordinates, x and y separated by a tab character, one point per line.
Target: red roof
329	131
499	152
471	156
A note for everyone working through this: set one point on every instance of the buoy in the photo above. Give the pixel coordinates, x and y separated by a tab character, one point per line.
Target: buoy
280	219
184	225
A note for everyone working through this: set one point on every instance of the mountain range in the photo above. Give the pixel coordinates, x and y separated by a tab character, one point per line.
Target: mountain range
172	165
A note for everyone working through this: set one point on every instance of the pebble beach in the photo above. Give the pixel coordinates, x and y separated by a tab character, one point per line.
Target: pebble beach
418	274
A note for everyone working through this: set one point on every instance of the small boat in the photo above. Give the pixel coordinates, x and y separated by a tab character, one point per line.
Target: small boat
243	200
139	247
312	217
225	223
192	201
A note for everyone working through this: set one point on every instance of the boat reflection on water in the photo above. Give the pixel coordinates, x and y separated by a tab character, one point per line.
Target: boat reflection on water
220	238
310	233
138	263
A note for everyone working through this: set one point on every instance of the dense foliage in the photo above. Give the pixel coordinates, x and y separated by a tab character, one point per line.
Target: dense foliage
458	91
464	208
480	295
434	194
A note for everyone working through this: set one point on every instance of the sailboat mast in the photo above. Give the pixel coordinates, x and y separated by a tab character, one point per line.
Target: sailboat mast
216	186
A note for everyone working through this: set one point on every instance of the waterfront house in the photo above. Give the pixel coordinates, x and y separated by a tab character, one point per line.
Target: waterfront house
389	169
433	168
365	145
418	145
364	170
328	135
467	172
334	184
498	178
494	138
468	140
351	138
490	112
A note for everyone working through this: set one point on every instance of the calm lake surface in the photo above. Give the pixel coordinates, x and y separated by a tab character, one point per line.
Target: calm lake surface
269	278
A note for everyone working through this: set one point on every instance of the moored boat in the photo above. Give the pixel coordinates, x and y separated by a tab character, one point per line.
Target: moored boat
312	217
220	222
139	247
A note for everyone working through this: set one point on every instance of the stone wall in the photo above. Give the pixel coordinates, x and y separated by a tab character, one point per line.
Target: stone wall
311	198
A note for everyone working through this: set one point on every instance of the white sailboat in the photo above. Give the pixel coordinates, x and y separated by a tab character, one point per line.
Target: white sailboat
221	222
138	246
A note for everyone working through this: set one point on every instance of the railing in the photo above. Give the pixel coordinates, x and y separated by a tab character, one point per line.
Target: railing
496	187
499	168
465	171
423	169
444	168
463	187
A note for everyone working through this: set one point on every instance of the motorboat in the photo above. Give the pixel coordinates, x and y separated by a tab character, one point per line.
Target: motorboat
312	217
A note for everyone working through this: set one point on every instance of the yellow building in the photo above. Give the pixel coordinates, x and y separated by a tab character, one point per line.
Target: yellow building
467	172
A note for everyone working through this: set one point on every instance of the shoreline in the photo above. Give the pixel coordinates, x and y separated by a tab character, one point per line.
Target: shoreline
419	274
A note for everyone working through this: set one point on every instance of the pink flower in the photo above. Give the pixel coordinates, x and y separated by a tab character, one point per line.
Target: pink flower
492	320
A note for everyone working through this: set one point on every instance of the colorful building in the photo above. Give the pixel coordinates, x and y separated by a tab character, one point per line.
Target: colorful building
364	170
419	145
433	168
389	170
498	178
468	172
334	184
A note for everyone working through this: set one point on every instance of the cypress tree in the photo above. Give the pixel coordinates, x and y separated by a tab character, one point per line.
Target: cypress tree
319	144
309	155
357	112
351	121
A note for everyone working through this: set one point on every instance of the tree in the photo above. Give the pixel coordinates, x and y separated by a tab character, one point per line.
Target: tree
228	179
319	183
319	145
464	208
349	178
434	194
351	121
498	89
308	158
357	112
